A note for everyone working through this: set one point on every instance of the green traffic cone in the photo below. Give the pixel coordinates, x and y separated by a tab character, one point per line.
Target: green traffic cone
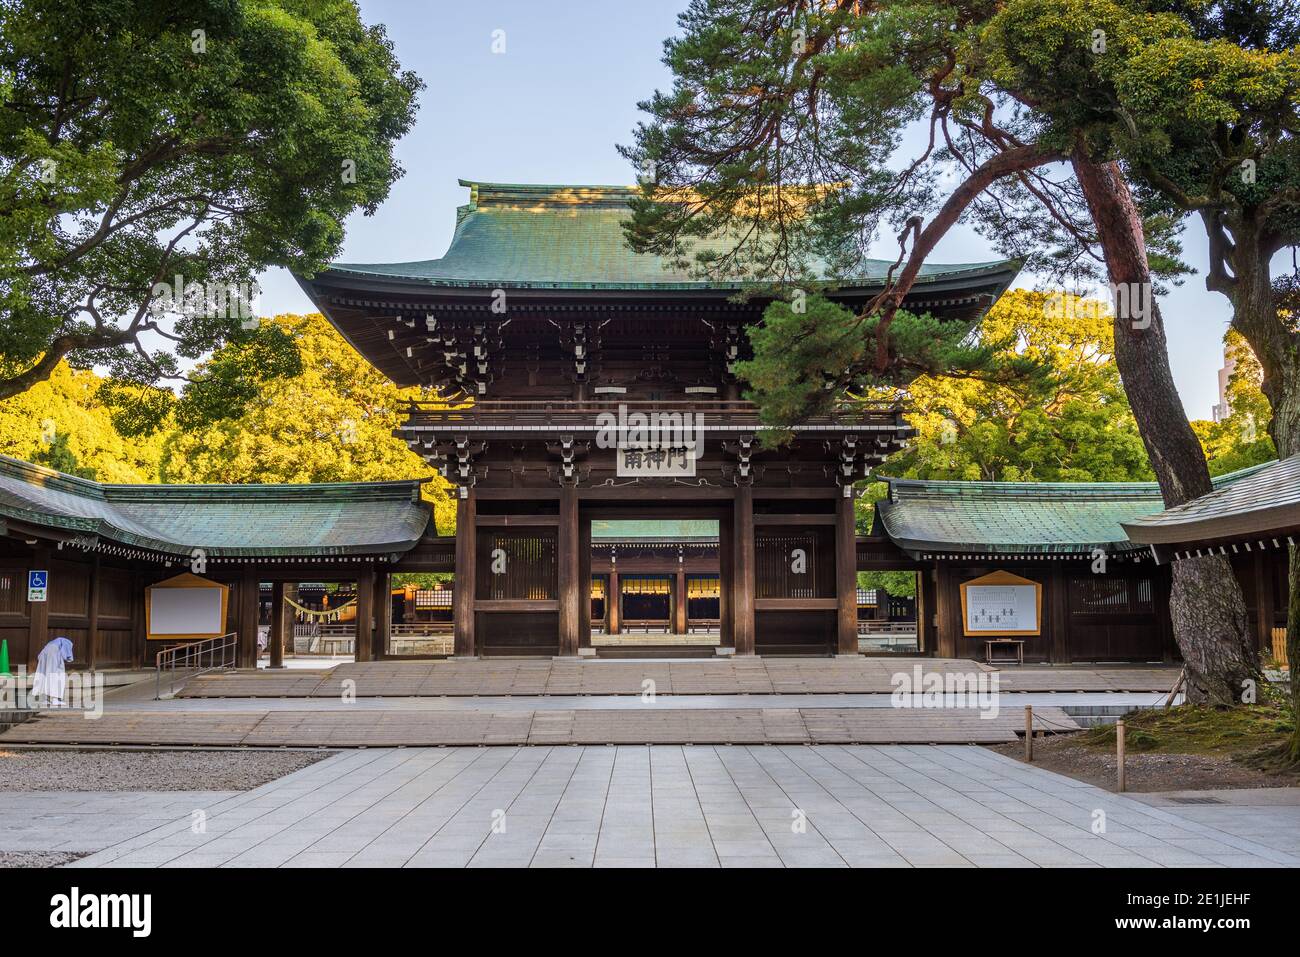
4	659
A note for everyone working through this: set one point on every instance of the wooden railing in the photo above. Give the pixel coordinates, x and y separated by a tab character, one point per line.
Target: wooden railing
1279	648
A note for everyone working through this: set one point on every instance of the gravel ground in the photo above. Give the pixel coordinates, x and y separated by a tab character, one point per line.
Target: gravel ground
38	858
68	770
1145	771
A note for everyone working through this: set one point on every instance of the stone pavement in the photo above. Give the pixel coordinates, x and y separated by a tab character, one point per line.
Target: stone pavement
344	726
79	821
676	806
748	675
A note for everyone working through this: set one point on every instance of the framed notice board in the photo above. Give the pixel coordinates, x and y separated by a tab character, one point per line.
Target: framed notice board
1001	604
186	607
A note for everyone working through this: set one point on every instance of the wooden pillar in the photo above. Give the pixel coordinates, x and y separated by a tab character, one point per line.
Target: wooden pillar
614	603
947	607
743	560
139	631
1264	601
363	648
276	641
584	583
726	570
38	632
567	536
925	610
383	613
679	607
92	626
846	575
247	618
1058	614
464	587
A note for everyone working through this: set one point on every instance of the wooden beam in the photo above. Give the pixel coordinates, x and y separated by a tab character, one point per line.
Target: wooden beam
516	604
743	557
846	576
568	568
798	604
464	587
499	521
803	518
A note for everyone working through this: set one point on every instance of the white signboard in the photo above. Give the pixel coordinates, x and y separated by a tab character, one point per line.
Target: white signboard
997	609
185	611
38	585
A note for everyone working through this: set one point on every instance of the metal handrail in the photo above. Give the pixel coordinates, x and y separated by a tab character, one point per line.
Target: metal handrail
207	654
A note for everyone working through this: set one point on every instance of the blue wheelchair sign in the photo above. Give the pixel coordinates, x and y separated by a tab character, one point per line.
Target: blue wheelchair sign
38	585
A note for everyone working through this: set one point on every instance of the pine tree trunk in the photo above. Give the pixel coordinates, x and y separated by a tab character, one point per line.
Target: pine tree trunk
1205	602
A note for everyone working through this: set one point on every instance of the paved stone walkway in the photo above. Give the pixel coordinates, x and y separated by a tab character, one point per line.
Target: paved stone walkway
660	723
749	675
676	806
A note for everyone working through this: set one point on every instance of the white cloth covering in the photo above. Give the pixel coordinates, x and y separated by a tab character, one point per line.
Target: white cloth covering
50	679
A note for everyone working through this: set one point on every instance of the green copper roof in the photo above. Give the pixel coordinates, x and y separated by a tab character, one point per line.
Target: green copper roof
1019	517
571	237
223	520
1261	501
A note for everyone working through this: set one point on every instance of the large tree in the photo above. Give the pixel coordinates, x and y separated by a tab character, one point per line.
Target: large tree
1200	101
187	144
782	133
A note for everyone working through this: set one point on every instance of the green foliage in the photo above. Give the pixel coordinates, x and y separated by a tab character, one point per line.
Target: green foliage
64	424
1070	422
333	422
897	584
1241	439
142	140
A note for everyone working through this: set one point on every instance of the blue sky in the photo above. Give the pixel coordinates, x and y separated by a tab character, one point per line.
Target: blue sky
551	109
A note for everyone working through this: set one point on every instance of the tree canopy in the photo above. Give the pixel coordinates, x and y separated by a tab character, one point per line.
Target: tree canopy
155	156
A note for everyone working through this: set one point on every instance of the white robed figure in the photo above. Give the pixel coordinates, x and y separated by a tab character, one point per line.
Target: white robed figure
50	679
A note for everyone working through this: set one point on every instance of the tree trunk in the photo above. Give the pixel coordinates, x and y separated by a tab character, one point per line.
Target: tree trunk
1255	316
1205	602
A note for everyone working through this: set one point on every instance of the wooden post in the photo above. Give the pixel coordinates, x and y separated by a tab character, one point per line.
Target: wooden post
363	643
92	626
247	618
383	614
584	583
287	626
846	574
567	560
276	641
726	572
743	559
1119	752
38	625
1029	732
679	604
614	603
464	587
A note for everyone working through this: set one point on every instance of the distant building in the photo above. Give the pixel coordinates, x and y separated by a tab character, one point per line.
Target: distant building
1223	408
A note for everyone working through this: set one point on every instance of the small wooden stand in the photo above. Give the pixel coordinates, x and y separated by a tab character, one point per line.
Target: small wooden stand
1016	645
